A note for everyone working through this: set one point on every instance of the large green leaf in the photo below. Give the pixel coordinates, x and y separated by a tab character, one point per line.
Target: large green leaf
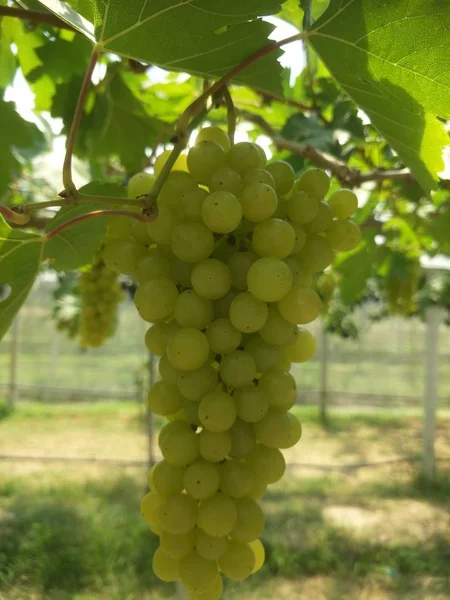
198	36
392	58
7	59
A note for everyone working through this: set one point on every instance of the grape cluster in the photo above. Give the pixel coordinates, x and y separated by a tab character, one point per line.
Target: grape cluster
225	275
402	282
100	293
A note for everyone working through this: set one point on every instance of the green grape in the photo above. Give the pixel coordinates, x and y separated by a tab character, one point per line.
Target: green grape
226	180
181	272
266	464
301	305
192	242
214	134
180	415
214	447
180	163
250	521
244	156
221	212
269	279
155	299
138	231
343	203
167	371
152	266
316	254
235	478
321	221
222	336
302	207
204	158
278	430
222	305
196	384
266	356
201	479
164	566
283	174
259	202
247	313
210	547
343	235
164	398
191	202
239	263
243	439
217	412
178	443
178	513
197	573
300	237
260	554
191	310
177	545
158	336
314	181
176	184
252	403
150	483
262	155
140	184
302	349
273	237
188	349
279	388
238	561
257	490
211	279
168	479
300	275
237	369
277	331
258	176
122	255
161	229
190	411
150	505
217	515
118	226
225	248
212	593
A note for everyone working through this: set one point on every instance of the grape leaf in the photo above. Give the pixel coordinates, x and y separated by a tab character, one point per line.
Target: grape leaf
392	59
310	132
355	268
7	59
71	16
197	36
20	257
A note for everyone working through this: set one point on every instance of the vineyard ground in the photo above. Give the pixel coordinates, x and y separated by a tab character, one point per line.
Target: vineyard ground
71	531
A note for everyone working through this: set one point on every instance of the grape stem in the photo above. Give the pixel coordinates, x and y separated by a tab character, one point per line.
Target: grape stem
34	15
231	113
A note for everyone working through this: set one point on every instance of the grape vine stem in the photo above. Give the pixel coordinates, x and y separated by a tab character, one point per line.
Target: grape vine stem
35	15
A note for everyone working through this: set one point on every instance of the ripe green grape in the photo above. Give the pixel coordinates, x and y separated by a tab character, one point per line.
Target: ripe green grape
269	279
138	231
222	305
302	207
161	229
211	279
316	254
250	521
192	242
167	478
283	174
321	221
279	388
167	371
201	479
266	356
122	255
217	412
247	313
196	384
252	403
150	505
188	349
243	439
222	336
177	545
214	134
278	430
191	202
155	299
300	237
214	447
204	159
164	398
197	573
314	181
140	184
191	310
178	443
181	272
260	554
343	203
221	212
266	464
178	513
259	202
277	331
343	235
158	336
239	263
300	274
244	156
258	176
273	237
212	593
302	349
152	266
217	515
301	305
258	489
118	226
164	566
238	561
226	180
237	369
210	547
190	412
235	478
180	163
176	184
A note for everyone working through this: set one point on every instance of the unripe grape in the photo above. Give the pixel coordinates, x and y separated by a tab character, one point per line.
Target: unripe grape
321	221
177	545
259	202
164	398
191	310
196	384
188	349
316	254
157	337
217	515
283	174
243	438
214	447
201	479
273	237
214	134
238	561
301	305
204	159
237	369
226	180
269	279
192	242
122	255
343	203
235	478
156	299
167	478
244	156
222	336
197	573
278	430
302	207
279	387
164	566
314	181
258	176
250	522
252	403
211	279
247	313
178	513
140	184
221	212
209	547
302	349
217	412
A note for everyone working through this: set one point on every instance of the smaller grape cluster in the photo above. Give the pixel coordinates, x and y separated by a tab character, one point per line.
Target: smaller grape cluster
225	275
402	283
100	294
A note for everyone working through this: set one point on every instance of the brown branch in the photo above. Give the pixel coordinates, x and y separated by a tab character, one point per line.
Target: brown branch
34	15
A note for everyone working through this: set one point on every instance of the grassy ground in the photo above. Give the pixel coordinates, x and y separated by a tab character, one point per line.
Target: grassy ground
71	531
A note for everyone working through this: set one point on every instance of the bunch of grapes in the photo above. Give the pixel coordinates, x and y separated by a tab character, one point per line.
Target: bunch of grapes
100	294
402	282
225	275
